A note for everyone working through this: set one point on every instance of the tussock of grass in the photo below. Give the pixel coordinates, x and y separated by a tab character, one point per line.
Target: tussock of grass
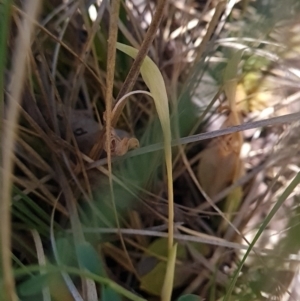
85	196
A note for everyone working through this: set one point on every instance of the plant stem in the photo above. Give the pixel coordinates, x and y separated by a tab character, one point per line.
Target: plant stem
9	135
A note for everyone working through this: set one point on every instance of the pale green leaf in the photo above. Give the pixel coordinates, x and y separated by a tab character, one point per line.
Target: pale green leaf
230	75
89	259
32	286
108	294
152	270
156	85
155	82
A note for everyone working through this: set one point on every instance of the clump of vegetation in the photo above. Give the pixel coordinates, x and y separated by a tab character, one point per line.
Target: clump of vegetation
149	150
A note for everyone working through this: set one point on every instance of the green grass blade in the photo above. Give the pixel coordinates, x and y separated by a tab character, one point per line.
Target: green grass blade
265	223
75	271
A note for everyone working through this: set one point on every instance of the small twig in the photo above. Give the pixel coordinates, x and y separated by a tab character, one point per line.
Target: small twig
111	60
135	68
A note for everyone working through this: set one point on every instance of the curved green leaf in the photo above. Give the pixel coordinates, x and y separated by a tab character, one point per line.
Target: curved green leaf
33	285
155	82
189	298
108	294
89	259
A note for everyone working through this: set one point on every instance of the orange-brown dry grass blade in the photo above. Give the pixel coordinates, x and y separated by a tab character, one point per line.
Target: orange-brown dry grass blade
199	54
111	60
204	43
220	161
135	68
63	44
32	156
22	47
87	48
35	182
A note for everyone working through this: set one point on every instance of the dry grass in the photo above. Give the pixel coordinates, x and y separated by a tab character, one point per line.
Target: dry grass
84	214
